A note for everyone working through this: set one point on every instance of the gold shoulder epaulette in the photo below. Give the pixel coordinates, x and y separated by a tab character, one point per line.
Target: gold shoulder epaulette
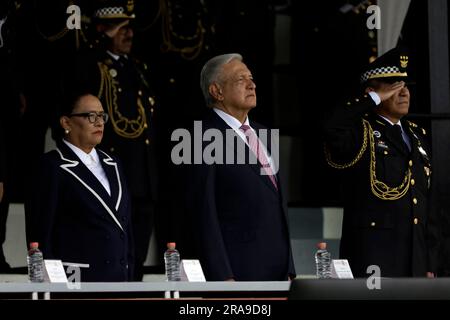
416	127
412	124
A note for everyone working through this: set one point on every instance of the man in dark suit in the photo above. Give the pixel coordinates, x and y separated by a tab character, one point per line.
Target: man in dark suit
121	83
239	218
389	220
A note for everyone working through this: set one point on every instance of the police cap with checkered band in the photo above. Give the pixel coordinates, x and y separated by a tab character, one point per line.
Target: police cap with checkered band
115	10
389	67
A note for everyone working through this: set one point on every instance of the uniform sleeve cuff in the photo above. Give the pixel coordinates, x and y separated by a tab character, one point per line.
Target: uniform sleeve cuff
375	97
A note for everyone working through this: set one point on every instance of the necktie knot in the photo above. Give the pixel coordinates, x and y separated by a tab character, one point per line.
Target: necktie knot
244	128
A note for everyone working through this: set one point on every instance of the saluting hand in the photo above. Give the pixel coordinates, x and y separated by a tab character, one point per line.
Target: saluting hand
385	92
112	31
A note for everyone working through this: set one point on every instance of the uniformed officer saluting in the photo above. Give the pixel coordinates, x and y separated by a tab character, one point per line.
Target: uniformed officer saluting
385	163
122	85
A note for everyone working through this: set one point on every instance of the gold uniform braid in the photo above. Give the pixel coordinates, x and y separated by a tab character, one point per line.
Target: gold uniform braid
379	188
361	151
124	127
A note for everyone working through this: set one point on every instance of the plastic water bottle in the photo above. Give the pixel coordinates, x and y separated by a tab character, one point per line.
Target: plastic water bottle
172	262
35	261
323	261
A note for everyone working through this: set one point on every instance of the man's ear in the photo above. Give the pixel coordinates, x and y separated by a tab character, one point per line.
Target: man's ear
369	89
216	92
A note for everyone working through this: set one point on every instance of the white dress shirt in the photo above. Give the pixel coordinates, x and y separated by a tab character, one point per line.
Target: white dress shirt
92	162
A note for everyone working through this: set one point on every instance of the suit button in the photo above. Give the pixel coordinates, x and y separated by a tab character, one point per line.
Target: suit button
372	224
151	110
147	142
172	80
357	100
365	96
385	152
145	126
119	89
349	103
410	163
416	221
111	149
415	200
140	93
413	182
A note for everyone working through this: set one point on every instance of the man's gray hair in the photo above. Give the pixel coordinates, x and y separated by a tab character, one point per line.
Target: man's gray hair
211	73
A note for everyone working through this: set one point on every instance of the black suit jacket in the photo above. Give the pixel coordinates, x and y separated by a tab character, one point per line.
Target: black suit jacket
74	219
400	234
239	218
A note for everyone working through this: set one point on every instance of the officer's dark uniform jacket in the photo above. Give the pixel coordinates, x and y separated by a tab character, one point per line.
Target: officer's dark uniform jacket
126	95
388	219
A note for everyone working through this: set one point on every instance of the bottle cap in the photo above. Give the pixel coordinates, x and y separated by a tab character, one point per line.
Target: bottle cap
34	245
171	245
322	245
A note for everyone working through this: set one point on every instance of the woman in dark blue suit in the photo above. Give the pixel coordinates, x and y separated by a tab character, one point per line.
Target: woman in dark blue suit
79	210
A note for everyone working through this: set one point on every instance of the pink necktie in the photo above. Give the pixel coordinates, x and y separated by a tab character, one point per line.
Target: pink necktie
256	148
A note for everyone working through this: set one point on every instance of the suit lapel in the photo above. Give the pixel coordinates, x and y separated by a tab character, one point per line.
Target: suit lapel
112	173
256	168
72	165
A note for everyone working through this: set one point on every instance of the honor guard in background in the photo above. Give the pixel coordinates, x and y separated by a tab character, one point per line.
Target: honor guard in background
384	159
122	85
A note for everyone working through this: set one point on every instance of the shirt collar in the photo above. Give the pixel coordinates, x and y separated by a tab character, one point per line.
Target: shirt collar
115	56
390	122
234	123
86	158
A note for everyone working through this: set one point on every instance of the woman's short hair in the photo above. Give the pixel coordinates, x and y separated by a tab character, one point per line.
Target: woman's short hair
211	73
66	106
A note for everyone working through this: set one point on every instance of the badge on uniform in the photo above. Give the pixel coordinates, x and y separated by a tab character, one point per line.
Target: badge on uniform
113	72
382	145
377	134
